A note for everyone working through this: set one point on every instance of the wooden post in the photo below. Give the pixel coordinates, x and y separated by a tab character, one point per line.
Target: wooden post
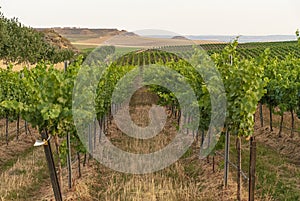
226	165
79	169
179	117
18	126
202	137
239	167
293	123
84	160
281	125
90	141
65	66
69	161
271	120
252	168
51	166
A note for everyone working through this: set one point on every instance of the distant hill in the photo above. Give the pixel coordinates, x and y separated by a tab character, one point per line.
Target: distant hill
83	38
77	34
179	37
87	31
55	39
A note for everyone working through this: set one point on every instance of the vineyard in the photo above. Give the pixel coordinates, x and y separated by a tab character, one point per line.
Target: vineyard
279	50
259	81
251	50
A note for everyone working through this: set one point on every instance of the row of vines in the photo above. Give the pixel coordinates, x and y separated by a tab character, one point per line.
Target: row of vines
247	50
42	96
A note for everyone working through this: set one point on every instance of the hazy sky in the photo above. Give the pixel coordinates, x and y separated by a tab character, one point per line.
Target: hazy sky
233	17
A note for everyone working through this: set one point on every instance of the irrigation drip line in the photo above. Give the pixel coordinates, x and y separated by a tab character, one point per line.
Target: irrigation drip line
243	174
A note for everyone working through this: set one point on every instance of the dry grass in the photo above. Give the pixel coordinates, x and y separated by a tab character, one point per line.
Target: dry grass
9	153
92	41
19	67
21	175
81	186
139	41
152	187
189	179
203	42
285	145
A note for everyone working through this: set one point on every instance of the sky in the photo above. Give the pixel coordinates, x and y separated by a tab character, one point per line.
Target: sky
186	17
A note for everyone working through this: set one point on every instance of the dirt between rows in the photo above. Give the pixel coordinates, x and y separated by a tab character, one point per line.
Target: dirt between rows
189	179
285	145
203	186
16	147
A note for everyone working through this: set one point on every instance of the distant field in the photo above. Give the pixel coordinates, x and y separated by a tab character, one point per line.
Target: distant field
136	41
87	42
83	47
246	50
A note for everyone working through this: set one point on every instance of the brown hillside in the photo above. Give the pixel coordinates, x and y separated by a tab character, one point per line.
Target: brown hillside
55	39
75	34
86	31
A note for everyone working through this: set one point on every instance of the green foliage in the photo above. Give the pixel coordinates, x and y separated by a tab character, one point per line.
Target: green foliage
246	50
42	96
283	87
19	44
11	89
244	85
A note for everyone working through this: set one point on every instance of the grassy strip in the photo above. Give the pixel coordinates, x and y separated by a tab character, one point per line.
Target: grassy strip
29	191
8	164
277	177
84	47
